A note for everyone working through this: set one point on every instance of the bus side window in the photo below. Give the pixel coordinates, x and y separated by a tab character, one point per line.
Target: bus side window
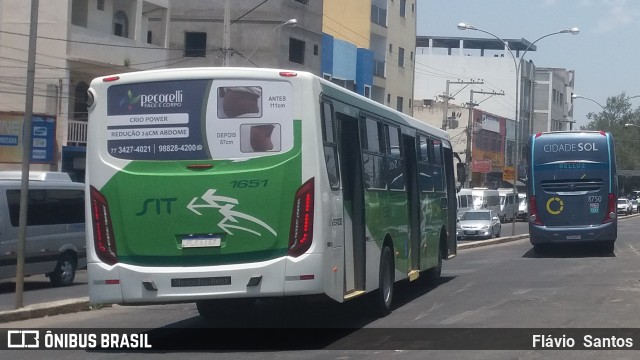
330	145
426	181
372	157
436	165
394	158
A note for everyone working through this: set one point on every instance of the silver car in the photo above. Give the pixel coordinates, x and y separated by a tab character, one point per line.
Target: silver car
478	224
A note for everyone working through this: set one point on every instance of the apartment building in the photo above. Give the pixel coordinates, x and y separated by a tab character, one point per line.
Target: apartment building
283	34
553	110
78	40
369	45
486	66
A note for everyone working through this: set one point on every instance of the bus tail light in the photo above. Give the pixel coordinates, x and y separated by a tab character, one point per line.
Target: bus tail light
533	211
612	208
301	233
105	243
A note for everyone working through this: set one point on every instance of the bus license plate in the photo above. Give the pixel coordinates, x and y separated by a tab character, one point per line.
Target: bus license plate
573	237
201	241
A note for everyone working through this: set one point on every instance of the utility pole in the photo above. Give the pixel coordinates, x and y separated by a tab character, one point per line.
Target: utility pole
447	97
226	34
470	122
26	153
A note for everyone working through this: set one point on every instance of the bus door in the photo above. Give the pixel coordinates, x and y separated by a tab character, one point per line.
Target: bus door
413	200
450	190
353	198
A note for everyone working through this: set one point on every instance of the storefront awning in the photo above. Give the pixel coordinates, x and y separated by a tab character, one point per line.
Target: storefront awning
519	183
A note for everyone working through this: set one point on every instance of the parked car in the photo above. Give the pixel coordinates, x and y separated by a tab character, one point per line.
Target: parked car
624	206
634	206
478	224
55	244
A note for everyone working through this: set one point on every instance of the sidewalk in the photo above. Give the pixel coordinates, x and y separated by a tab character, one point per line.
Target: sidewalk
78	304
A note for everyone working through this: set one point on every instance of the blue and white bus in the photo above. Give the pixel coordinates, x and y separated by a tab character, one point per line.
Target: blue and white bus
572	188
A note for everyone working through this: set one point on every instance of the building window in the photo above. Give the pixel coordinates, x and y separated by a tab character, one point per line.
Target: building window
399	102
379	15
120	24
296	51
388	98
79	13
149	37
80	99
367	91
195	44
315	49
390	48
100	5
400	57
403	8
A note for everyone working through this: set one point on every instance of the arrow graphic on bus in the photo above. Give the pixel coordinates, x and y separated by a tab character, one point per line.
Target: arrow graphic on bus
229	216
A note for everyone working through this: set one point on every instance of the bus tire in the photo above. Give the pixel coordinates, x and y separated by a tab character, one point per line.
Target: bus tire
608	246
384	296
433	275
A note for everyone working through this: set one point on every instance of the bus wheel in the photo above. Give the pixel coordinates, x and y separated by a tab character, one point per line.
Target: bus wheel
64	272
608	246
387	279
433	274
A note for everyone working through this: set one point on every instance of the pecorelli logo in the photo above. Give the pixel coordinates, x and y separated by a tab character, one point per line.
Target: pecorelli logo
169	100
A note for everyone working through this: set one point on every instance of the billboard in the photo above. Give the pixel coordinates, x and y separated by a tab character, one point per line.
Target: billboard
11	135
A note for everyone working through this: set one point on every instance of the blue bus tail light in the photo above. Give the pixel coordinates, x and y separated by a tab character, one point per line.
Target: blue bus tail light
612	208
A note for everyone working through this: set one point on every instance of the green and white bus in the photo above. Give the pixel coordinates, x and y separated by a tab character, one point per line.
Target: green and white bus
218	185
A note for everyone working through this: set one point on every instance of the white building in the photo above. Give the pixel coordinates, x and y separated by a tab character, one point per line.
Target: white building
553	110
78	40
487	65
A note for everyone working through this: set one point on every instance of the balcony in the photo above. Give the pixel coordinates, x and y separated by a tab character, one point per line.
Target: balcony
77	132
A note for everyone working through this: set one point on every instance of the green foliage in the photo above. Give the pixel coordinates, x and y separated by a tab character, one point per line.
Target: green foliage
617	112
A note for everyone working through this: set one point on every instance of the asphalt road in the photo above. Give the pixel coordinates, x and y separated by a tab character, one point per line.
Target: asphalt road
501	286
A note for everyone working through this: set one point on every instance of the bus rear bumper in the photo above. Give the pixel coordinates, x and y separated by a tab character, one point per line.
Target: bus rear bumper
130	284
555	235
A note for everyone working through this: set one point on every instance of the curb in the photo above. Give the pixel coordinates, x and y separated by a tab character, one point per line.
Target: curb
480	243
46	309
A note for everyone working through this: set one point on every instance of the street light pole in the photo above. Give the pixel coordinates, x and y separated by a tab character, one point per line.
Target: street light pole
576	96
573	31
226	34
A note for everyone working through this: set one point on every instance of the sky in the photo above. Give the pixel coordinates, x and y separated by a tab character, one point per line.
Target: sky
605	55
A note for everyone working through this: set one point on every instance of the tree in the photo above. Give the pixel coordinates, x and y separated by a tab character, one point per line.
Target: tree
617	112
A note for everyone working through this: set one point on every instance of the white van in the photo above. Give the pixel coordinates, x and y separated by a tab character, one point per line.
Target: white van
465	201
523	207
508	204
55	243
479	198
